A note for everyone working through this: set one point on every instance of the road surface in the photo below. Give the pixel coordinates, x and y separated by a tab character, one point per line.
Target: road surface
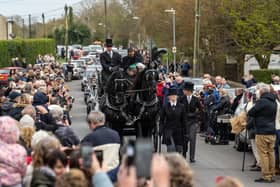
211	160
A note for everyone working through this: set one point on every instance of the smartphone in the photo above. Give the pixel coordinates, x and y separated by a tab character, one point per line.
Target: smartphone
99	156
143	157
86	152
130	153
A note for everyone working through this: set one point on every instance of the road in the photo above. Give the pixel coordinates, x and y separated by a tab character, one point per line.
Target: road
211	160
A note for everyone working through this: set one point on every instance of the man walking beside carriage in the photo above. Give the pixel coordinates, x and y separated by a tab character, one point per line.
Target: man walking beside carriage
192	107
172	122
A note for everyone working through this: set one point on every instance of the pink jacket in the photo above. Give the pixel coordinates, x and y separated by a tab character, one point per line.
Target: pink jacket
12	155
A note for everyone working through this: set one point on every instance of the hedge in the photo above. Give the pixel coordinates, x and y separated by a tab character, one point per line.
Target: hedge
27	48
264	75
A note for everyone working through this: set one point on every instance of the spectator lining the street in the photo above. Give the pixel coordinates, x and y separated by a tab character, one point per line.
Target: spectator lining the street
224	84
63	132
218	82
103	138
180	171
228	182
248	80
57	161
27	130
74	178
22	101
264	113
12	155
179	84
39	162
252	132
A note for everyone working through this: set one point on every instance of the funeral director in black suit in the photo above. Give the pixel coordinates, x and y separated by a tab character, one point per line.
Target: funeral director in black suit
110	61
172	122
192	108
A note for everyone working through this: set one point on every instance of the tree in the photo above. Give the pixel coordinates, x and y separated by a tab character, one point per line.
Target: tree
254	27
78	34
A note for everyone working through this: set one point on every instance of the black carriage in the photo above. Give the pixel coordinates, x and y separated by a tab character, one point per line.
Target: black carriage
131	105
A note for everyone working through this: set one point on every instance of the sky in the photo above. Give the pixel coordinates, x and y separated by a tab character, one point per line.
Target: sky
51	8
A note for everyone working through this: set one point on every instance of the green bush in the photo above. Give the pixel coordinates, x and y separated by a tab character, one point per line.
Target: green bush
264	75
28	48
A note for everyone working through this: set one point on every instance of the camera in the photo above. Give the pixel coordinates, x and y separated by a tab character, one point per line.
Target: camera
140	154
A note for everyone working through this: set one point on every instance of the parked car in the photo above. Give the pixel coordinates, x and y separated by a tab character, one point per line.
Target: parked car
88	60
122	52
5	73
86	50
95	67
96	48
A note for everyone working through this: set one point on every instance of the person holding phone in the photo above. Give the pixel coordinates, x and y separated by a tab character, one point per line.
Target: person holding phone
172	121
103	138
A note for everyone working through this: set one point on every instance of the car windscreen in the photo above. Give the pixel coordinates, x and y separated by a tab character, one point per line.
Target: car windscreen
86	59
4	71
197	81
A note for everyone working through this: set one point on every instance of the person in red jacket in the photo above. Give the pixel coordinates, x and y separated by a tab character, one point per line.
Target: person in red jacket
160	85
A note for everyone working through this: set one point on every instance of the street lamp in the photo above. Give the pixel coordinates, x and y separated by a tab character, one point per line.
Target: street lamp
174	36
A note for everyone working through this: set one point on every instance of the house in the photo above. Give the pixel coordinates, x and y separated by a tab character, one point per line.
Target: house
3	28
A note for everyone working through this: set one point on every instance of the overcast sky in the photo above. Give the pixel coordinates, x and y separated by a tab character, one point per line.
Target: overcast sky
51	8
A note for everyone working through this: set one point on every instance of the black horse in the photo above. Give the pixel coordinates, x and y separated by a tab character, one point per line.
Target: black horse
147	106
114	102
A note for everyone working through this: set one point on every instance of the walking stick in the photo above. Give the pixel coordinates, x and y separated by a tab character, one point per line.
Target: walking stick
244	151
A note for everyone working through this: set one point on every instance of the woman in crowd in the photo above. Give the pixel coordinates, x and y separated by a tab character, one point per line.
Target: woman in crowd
74	178
35	172
228	182
27	129
12	155
180	171
57	161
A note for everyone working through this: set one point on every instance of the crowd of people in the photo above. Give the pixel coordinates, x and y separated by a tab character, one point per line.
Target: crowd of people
39	147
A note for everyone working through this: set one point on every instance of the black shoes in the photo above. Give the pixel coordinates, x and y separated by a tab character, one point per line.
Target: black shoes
262	180
257	168
192	160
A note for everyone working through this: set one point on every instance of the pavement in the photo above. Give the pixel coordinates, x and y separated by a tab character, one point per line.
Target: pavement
211	160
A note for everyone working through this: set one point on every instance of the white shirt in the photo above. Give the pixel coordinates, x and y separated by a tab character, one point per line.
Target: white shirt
189	98
110	53
173	104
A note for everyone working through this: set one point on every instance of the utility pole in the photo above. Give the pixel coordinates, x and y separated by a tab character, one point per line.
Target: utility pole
196	65
174	40
29	16
174	49
44	25
106	23
23	29
66	31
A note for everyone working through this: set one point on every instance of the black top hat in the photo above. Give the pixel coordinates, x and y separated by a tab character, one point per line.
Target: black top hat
172	91
189	86
109	42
